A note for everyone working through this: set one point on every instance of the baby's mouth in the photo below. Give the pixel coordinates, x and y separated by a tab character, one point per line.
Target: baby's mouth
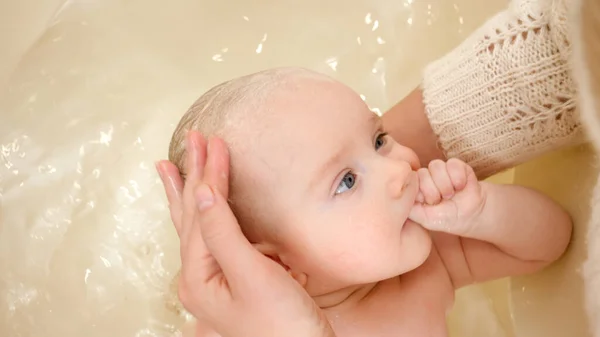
410	191
412	182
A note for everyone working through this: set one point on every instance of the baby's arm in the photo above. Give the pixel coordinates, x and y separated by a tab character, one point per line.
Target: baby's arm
503	230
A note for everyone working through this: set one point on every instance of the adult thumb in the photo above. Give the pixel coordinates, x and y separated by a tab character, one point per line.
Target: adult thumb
223	236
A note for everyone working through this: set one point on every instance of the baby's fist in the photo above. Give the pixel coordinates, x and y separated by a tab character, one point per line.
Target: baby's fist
449	198
441	180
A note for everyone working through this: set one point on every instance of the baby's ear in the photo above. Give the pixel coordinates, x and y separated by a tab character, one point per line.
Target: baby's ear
271	252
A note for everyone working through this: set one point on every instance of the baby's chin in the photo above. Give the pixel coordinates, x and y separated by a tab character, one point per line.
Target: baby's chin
412	250
415	243
400	254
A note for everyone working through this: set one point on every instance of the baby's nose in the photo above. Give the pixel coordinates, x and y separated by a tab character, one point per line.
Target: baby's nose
399	178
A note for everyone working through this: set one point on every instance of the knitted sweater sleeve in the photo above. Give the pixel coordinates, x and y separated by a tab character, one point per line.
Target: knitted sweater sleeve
506	94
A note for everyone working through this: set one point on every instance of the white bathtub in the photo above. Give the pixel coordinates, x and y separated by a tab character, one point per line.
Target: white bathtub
90	93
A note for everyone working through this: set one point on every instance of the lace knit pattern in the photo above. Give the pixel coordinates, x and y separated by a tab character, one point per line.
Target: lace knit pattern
505	94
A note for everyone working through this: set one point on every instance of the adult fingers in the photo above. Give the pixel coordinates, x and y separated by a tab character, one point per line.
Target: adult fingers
173	185
224	239
194	162
216	172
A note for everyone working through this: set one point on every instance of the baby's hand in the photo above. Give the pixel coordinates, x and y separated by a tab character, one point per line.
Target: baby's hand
450	197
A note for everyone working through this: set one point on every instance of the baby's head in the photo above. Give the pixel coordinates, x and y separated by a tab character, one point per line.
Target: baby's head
315	182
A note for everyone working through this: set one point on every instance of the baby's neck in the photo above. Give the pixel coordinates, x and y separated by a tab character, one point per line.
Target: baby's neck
344	298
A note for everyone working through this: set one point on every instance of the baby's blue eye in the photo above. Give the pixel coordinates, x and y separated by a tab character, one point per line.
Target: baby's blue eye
347	183
380	141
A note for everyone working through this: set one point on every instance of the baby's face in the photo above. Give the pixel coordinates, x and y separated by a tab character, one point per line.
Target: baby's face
334	189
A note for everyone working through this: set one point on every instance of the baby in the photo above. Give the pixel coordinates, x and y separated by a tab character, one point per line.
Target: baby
378	242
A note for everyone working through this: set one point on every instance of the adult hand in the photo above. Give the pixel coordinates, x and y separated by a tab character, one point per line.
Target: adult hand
224	281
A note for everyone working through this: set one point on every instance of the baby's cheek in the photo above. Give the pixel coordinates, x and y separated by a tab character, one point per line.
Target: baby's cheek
344	241
324	207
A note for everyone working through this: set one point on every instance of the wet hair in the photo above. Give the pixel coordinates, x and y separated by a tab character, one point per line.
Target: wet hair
229	105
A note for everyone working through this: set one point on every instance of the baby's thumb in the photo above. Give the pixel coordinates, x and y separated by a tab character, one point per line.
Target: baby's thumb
223	236
438	217
418	215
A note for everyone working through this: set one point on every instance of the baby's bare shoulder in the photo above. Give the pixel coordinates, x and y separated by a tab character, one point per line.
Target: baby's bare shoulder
424	292
432	277
413	304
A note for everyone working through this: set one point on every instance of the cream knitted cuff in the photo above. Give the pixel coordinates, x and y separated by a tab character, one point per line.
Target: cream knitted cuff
505	95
